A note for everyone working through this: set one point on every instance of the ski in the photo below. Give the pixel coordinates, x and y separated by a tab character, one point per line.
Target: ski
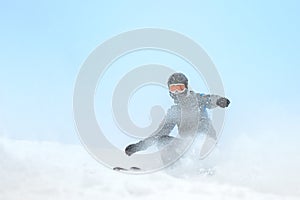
125	169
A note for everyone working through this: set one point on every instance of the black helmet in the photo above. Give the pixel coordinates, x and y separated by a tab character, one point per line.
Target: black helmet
177	78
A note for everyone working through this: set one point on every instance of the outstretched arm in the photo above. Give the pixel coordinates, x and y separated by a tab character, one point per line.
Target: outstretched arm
164	129
213	101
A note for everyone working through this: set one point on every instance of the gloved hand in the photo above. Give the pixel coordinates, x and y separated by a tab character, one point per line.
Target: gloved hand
223	102
133	148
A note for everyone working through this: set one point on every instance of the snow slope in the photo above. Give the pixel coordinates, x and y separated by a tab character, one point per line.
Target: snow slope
45	170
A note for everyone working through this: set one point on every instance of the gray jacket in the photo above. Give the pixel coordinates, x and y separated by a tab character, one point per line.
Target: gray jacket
184	110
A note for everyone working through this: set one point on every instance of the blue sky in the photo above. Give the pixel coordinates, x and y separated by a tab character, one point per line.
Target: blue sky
254	45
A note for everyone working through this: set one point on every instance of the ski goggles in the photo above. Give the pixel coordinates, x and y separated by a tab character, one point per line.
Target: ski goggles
177	88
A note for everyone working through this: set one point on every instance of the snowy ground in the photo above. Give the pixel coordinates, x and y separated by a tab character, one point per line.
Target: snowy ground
44	170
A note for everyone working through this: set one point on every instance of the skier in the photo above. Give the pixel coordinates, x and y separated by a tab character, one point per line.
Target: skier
189	106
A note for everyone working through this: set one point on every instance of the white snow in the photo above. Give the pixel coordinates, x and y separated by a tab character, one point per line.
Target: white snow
47	170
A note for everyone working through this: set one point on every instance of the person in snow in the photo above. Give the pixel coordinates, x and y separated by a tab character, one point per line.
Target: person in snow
188	106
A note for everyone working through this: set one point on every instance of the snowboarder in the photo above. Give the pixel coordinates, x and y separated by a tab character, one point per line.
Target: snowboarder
191	102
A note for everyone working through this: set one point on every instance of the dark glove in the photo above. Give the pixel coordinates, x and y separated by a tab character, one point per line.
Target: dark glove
223	102
133	148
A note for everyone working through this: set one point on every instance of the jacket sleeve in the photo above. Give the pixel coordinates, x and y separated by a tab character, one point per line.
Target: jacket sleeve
165	127
208	100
